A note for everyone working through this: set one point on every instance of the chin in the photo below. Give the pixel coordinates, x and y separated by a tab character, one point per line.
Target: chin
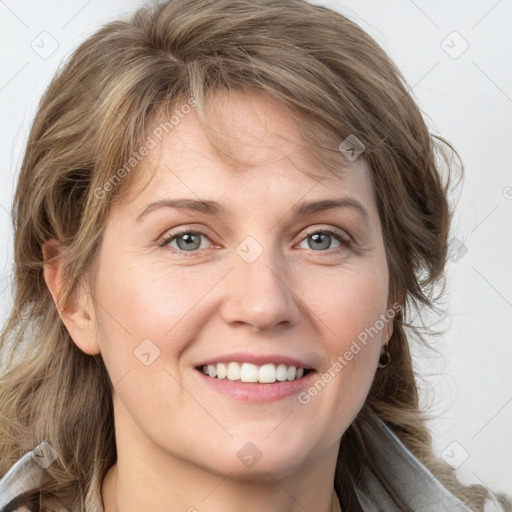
256	459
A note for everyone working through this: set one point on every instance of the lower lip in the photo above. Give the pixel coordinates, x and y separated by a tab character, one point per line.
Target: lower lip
256	392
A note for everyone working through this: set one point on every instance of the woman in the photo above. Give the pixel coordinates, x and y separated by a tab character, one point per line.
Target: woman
178	341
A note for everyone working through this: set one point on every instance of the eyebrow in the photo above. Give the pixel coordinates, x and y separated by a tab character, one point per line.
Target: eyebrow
214	208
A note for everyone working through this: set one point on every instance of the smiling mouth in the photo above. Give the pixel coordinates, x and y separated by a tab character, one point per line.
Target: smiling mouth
251	373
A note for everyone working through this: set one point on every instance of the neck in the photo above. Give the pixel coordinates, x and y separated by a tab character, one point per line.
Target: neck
227	496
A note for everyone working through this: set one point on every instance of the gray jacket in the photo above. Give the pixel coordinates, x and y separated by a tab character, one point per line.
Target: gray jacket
421	490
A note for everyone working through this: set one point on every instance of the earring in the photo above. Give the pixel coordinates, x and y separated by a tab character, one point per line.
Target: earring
385	358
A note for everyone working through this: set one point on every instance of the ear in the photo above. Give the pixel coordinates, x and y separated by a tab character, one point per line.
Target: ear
388	332
394	306
78	315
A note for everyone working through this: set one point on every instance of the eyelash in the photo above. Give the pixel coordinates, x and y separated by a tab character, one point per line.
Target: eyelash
344	240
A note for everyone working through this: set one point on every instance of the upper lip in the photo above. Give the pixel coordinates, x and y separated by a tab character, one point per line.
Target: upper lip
257	359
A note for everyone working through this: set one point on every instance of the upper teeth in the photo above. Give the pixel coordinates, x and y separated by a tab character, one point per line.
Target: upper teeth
248	372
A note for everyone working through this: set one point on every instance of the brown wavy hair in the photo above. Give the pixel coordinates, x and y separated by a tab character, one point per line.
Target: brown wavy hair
98	109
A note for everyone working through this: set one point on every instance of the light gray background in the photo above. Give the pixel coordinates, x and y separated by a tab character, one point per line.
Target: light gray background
466	97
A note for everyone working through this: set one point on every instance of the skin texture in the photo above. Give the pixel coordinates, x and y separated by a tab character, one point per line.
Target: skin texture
177	438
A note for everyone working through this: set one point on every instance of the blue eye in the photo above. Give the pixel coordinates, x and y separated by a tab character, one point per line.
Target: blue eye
320	237
189	243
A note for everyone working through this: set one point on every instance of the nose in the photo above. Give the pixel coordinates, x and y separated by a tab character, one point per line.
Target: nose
259	294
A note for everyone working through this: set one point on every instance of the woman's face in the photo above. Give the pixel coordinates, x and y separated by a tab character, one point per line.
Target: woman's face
251	277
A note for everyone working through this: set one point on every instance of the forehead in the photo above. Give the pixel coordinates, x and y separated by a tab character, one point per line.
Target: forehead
263	154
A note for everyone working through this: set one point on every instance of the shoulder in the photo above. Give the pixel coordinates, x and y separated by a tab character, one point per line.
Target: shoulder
23	479
415	483
422	491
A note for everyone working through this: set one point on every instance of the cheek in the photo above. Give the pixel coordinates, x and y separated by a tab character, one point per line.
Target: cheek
145	308
350	306
350	311
134	295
